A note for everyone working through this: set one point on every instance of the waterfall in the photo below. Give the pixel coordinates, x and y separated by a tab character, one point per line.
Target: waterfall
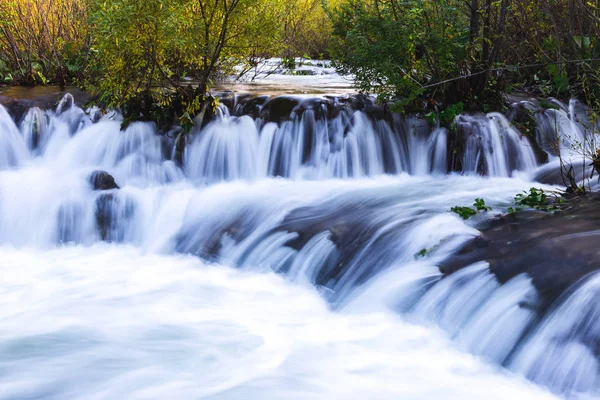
35	129
567	134
494	146
352	201
309	145
558	130
12	148
563	353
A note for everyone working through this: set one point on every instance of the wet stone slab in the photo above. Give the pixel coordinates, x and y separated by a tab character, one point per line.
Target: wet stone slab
555	250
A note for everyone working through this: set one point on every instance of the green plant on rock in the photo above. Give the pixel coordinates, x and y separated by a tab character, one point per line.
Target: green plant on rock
447	116
537	199
464	212
468	212
421	254
480	205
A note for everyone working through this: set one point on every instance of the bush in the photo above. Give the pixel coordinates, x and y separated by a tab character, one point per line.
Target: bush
452	51
43	41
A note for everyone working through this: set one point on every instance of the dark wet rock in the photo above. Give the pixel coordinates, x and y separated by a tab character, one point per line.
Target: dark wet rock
524	119
168	140
65	104
250	105
336	106
95	113
17	108
279	109
18	100
555	250
550	176
102	180
104	215
76	120
377	112
358	102
469	129
282	108
320	106
546	131
180	143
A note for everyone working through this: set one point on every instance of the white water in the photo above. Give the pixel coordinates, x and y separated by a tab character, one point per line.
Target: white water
309	76
107	322
567	133
350	145
136	319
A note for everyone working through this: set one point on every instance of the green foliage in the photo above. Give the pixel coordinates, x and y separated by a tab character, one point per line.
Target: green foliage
545	104
537	199
289	63
157	59
464	212
468	212
454	51
42	41
394	47
480	205
135	54
144	48
421	254
447	116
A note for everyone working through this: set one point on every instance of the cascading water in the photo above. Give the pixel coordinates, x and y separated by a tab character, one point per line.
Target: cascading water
350	145
570	138
12	148
126	290
490	145
564	350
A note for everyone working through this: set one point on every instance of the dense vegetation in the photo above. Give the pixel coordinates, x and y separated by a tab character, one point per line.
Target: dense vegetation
469	51
157	58
154	59
43	41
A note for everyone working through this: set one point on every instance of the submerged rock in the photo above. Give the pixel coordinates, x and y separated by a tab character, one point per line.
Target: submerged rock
102	180
113	215
194	237
352	230
555	250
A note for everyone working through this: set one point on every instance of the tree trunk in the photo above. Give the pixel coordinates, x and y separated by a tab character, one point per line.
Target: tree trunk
474	24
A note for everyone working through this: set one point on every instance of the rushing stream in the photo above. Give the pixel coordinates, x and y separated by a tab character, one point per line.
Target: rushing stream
284	259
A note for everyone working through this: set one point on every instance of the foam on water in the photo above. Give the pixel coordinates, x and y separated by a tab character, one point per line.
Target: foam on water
107	322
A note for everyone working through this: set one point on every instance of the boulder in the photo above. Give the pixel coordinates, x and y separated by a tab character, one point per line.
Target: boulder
101	180
279	109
